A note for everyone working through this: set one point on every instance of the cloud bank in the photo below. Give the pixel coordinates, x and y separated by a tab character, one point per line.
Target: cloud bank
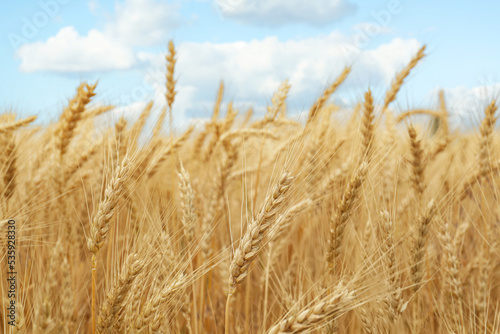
281	12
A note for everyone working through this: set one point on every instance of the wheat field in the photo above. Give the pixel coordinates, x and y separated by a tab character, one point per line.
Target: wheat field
378	222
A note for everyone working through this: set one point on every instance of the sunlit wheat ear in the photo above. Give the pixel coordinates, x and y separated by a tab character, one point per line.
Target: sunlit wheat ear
67	298
100	225
151	314
401	76
43	319
393	303
278	100
316	107
318	314
94	112
12	126
367	319
171	60
487	263
367	126
486	141
250	243
417	163
278	103
452	290
9	177
71	116
115	300
218	101
341	216
418	250
189	217
170	94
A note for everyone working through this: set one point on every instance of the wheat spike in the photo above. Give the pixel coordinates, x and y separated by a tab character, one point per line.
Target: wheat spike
401	76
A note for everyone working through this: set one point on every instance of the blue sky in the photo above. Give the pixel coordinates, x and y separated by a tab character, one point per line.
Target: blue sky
50	46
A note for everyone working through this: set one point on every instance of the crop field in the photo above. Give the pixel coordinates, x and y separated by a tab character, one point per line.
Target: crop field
367	220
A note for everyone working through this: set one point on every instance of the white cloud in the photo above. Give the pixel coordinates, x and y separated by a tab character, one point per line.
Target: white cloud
253	70
134	23
257	67
280	12
142	22
69	52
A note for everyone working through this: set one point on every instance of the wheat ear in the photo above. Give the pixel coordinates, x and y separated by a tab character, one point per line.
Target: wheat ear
115	299
151	314
170	95
453	289
316	107
99	227
12	126
486	141
189	218
9	177
278	99
342	214
319	314
71	115
394	301
417	163
278	103
218	101
367	125
418	251
250	244
401	76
